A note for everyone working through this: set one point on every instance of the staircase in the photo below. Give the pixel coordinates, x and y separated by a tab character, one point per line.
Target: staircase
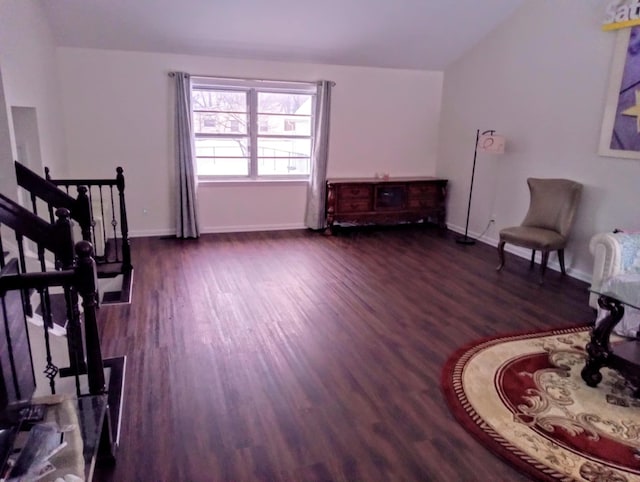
99	208
71	363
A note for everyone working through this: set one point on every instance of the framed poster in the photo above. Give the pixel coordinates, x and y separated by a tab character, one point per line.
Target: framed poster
620	134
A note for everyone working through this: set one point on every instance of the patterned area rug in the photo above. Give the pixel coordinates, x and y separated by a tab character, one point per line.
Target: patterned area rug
523	398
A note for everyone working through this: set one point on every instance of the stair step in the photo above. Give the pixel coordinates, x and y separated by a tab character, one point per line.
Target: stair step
109	270
112	251
122	296
58	309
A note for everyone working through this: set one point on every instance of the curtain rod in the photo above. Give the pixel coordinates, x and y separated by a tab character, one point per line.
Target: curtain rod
172	74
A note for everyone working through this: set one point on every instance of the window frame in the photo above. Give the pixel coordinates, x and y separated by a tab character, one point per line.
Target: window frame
252	88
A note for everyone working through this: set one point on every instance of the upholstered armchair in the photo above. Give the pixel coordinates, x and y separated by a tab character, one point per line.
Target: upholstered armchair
548	221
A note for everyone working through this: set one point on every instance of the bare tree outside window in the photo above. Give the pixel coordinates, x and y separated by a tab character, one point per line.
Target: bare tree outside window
250	132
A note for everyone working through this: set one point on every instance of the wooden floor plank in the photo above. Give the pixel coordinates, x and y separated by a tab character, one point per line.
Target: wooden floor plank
296	356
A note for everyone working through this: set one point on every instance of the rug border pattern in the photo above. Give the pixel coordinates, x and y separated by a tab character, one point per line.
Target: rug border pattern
463	411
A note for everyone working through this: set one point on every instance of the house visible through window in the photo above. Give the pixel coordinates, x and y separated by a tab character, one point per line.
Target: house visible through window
252	129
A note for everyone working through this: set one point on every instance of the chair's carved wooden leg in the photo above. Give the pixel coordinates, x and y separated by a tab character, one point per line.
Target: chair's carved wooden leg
533	258
543	264
501	255
561	260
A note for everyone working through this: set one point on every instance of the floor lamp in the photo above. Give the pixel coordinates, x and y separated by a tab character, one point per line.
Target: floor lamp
490	142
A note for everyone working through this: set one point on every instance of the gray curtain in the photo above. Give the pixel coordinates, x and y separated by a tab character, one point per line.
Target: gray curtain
186	208
314	214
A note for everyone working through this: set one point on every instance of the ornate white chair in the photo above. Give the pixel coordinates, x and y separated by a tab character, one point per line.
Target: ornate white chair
616	261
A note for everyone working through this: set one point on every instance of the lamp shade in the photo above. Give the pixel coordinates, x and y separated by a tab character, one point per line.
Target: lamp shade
492	143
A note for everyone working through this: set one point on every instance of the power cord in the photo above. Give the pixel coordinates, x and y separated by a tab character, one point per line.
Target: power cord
491	221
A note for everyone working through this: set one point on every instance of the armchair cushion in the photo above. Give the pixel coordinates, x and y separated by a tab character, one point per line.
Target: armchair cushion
533	237
614	254
630	252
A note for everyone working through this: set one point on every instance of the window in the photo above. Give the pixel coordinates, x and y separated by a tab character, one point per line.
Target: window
252	129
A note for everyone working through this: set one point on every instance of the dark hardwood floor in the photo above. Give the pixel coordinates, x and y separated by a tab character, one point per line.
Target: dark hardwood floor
294	356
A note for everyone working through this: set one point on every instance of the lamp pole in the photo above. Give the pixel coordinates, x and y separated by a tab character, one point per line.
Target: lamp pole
466	239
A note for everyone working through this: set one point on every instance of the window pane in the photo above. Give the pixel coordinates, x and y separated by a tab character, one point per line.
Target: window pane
221	166
284	147
219	100
283	166
284	125
222	157
283	156
270	103
217	147
219	123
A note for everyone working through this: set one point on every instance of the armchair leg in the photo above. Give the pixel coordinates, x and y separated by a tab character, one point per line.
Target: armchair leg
501	255
561	260
533	258
543	264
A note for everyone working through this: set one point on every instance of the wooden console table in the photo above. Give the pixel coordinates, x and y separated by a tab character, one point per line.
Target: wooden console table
386	201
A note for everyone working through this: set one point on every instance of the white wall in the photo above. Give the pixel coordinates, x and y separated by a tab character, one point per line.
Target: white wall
540	79
29	76
117	111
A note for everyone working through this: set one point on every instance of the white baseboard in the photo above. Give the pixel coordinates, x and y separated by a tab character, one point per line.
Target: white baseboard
220	229
148	233
521	252
252	227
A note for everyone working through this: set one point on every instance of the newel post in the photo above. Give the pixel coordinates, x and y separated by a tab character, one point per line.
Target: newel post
83	207
86	283
64	239
65	259
124	225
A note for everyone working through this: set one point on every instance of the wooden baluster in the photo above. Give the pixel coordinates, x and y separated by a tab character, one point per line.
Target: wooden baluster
124	224
83	210
48	321
28	309
104	225
86	281
50	370
114	224
93	219
65	260
2	262
34	204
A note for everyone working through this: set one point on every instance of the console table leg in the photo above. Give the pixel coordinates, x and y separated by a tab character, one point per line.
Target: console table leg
591	373
598	349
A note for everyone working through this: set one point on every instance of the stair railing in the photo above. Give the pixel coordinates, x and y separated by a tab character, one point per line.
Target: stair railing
57	238
107	202
82	278
39	188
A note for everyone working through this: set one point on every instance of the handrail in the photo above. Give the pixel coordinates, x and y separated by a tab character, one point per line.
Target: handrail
42	188
55	237
36	280
38	186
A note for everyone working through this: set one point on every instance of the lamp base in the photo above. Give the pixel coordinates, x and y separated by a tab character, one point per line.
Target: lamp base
465	240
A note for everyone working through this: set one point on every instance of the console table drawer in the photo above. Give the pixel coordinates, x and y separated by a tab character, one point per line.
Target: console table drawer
354	205
419	203
355	191
419	191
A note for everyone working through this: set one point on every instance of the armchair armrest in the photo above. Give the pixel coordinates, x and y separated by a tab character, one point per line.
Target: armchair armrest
614	253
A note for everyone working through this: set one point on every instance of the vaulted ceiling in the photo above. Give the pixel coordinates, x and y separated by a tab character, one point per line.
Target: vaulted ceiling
410	34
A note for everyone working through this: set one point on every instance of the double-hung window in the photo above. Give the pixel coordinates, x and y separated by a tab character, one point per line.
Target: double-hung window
252	129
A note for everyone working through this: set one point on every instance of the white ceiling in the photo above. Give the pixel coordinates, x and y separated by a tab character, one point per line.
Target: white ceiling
411	34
